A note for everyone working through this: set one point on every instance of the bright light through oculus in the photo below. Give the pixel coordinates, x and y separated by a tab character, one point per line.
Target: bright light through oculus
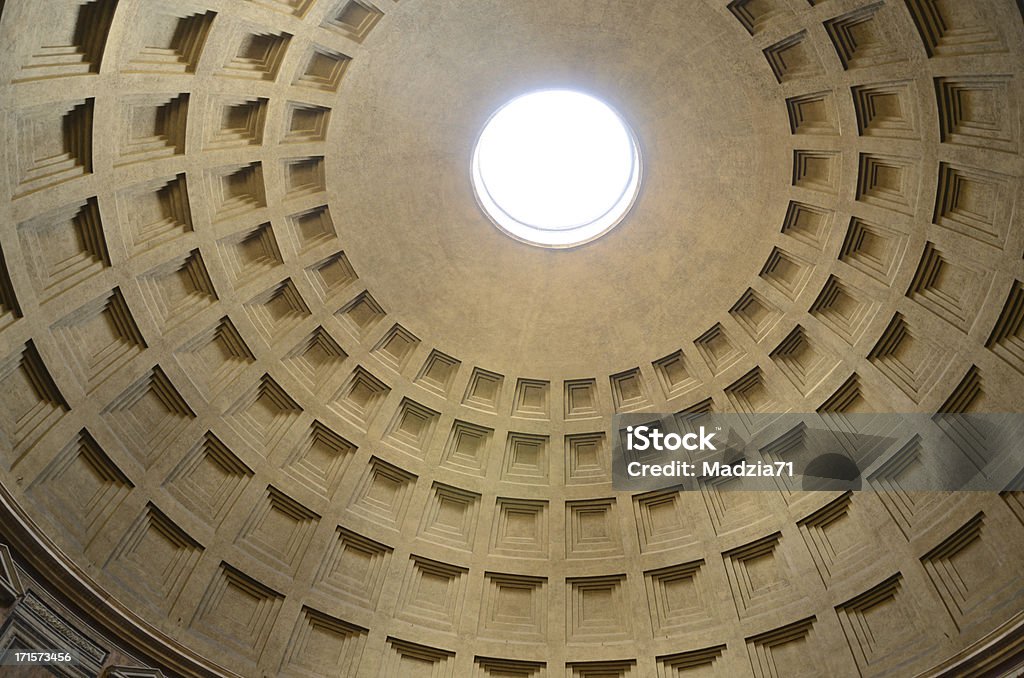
556	168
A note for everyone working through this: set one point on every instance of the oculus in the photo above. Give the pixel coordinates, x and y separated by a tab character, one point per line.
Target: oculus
556	168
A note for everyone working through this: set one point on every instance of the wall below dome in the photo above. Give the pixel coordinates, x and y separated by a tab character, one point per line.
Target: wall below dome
277	399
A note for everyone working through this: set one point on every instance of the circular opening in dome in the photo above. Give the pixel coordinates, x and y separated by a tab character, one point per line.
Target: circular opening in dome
556	168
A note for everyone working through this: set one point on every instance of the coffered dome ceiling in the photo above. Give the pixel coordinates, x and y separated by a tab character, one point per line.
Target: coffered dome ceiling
279	399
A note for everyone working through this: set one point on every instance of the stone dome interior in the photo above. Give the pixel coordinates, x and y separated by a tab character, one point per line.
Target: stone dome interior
278	399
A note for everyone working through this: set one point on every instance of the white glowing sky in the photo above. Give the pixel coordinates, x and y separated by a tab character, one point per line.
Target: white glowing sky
556	160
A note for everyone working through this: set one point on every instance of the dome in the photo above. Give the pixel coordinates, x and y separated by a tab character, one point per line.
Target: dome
282	397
